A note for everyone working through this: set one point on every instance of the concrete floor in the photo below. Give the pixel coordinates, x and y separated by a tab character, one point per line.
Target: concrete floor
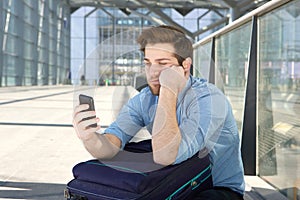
39	145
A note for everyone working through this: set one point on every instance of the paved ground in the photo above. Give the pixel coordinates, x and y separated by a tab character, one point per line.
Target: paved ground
38	144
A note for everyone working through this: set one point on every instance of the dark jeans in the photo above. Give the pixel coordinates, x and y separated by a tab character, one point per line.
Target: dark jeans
218	193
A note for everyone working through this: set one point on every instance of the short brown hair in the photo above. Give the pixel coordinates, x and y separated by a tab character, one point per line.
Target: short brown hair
167	34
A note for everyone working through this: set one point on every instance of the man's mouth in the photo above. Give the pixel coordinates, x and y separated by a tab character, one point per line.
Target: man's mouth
154	82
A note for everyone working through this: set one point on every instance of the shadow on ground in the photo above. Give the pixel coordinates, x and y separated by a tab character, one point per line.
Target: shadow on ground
34	191
258	193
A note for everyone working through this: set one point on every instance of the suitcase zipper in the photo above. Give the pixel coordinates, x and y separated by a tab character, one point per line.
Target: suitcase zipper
70	195
193	182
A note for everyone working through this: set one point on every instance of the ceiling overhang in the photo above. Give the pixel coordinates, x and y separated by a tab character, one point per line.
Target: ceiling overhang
236	8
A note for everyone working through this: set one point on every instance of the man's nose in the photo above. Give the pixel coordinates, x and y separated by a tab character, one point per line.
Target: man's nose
155	70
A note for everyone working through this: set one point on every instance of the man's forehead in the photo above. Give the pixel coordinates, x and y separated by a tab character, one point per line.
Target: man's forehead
167	47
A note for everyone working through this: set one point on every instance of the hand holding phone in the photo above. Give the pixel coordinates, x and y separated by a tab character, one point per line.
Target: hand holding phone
83	99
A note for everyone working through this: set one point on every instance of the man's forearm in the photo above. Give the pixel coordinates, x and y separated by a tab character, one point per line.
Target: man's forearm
166	134
100	147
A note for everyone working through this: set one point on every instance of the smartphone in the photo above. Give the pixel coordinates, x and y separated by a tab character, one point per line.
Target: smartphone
83	99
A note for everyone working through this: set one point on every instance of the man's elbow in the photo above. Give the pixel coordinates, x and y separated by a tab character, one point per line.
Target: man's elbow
163	159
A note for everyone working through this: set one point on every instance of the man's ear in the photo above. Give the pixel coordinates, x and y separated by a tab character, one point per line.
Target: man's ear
187	63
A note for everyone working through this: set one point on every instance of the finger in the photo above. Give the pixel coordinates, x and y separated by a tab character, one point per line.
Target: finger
181	71
82	128
87	114
89	122
81	115
81	108
85	124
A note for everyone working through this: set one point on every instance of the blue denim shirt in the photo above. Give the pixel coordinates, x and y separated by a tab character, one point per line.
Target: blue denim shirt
205	120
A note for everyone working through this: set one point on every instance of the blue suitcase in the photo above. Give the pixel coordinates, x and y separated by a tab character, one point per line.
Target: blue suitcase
132	175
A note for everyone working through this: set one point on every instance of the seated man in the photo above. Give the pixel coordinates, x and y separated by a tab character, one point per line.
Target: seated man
184	114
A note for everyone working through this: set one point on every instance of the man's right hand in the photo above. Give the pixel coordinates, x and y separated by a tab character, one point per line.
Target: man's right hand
84	132
173	78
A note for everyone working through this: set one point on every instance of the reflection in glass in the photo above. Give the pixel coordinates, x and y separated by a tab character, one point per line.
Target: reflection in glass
278	98
231	62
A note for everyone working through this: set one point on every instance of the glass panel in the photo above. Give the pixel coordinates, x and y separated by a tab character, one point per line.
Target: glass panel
232	51
29	30
91	31
10	81
279	99
28	72
11	23
27	13
28	50
202	56
78	51
52	58
51	74
43	55
10	44
27	81
43	74
52	44
9	70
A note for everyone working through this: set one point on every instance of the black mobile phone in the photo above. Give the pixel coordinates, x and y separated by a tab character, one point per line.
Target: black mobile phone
84	99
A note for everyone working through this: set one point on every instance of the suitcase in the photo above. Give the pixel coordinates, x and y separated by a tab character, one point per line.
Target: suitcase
132	175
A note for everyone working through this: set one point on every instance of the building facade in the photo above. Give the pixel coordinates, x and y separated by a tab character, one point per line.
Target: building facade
35	42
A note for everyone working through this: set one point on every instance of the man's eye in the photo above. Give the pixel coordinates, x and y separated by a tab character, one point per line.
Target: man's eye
147	64
164	64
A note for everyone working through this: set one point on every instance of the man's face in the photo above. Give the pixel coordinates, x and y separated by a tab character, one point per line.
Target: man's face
157	58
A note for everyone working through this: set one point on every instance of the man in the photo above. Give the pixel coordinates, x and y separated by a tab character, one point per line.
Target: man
184	115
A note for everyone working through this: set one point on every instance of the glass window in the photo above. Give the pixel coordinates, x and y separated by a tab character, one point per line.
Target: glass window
279	99
27	13
28	65
77	47
10	43
52	58
52	44
43	55
11	23
9	69
43	72
28	50
202	56
231	61
29	33
10	6
10	81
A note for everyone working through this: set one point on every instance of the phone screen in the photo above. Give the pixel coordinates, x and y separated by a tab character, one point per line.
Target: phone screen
83	99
